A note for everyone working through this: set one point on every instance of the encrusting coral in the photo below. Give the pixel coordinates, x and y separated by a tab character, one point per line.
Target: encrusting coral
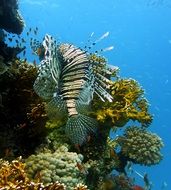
61	165
140	146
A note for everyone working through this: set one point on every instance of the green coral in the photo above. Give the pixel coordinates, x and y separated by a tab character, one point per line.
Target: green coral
58	166
141	146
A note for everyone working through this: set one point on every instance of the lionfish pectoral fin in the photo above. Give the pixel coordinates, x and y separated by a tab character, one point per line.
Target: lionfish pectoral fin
56	108
79	127
85	97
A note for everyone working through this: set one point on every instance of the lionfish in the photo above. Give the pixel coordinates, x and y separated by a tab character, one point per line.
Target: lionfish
68	80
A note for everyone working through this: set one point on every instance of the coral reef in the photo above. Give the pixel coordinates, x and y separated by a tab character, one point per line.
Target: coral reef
22	112
13	176
61	165
10	18
32	129
140	146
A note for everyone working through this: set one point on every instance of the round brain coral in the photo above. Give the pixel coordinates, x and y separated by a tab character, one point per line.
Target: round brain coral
141	146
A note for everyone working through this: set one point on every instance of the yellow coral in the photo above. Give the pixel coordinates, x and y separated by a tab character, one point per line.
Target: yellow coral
129	103
81	186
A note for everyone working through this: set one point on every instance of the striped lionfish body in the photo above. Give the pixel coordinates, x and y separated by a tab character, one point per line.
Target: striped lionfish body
67	79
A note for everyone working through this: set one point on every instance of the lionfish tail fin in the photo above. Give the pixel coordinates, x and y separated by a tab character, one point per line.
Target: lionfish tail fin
79	128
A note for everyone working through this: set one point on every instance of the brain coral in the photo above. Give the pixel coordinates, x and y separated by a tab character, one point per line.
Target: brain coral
140	146
58	166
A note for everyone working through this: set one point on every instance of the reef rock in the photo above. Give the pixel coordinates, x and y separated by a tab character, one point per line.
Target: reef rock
10	18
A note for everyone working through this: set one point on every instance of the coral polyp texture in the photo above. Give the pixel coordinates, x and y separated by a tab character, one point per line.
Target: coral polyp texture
62	166
141	146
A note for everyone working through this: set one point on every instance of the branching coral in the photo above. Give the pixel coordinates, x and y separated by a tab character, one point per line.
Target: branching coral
141	146
129	104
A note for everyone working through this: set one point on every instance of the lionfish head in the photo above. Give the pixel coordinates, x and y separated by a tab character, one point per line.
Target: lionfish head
63	48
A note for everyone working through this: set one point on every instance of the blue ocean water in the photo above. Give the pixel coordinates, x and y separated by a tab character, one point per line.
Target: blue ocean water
140	31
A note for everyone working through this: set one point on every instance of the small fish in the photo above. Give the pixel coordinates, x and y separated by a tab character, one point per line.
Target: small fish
35	32
146	180
82	169
24	52
30	29
16	41
10	39
98	40
27	33
23	40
